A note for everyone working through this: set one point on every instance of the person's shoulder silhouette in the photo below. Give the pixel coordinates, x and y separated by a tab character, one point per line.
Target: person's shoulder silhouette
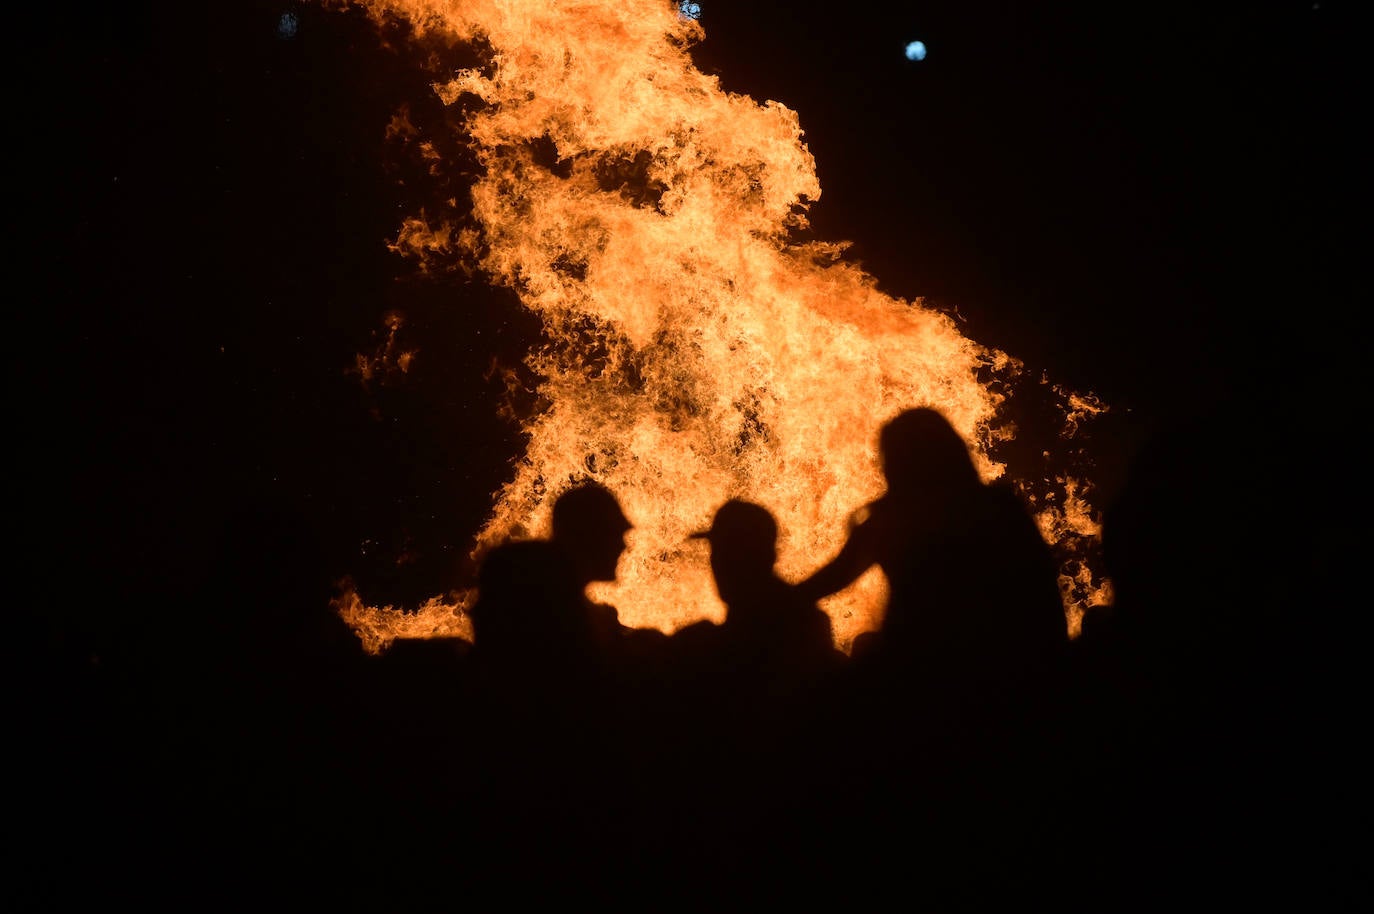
517	583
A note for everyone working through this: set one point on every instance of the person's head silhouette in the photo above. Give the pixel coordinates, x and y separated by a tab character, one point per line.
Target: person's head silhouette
589	526
743	538
922	451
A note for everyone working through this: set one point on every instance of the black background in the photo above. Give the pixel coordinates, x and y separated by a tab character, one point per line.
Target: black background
1150	202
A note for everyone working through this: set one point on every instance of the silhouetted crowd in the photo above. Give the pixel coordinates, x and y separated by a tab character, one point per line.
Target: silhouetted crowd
965	755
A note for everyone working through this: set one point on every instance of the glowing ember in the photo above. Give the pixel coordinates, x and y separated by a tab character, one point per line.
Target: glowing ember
699	350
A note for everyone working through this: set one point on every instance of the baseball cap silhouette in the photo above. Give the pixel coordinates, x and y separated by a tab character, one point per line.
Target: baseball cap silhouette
739	521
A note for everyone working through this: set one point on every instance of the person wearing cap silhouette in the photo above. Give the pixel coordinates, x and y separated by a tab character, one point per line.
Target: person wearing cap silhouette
760	679
547	717
771	634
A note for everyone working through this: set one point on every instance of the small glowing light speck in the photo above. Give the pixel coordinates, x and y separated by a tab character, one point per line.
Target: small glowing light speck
689	9
286	26
916	50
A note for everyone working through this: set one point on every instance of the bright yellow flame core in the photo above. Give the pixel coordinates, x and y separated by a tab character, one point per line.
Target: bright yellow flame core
732	360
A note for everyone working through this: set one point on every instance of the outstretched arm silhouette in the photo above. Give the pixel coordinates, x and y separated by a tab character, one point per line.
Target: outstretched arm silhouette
857	555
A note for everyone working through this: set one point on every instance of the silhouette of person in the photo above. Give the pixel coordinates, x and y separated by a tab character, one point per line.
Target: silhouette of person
956	686
1203	695
973	586
545	720
746	694
771	632
532	610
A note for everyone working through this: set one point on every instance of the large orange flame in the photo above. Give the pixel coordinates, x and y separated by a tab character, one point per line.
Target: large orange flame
701	350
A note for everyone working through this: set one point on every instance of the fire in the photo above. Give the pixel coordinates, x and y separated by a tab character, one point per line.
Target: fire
698	348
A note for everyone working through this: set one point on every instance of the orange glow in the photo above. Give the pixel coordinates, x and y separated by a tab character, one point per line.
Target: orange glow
732	359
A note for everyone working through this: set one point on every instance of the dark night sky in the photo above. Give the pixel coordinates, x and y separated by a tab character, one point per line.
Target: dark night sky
1143	200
